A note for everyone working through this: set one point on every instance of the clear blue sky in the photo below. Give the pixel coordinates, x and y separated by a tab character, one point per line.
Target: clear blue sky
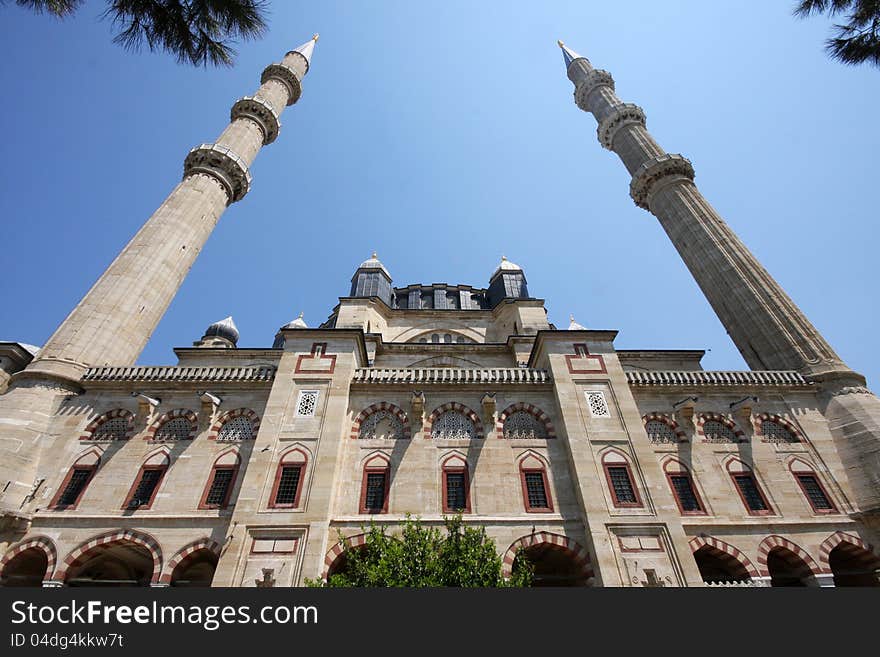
442	135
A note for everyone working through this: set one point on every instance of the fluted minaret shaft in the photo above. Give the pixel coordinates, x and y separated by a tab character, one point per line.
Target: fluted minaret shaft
767	327
112	323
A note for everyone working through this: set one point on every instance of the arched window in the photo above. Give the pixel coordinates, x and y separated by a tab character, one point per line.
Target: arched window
179	424
535	487
456	485
236	428
620	480
812	487
117	424
375	485
716	431
748	488
218	488
452	425
382	424
289	476
522	424
660	431
683	489
774	431
78	477
143	490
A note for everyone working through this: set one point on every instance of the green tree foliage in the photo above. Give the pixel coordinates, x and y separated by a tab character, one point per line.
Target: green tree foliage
421	556
857	40
197	32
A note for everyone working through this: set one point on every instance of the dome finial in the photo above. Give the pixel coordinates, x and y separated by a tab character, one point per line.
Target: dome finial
559	43
315	37
568	54
574	326
375	256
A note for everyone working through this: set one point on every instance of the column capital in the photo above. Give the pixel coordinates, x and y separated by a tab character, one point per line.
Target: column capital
261	112
222	164
658	169
287	76
588	84
622	115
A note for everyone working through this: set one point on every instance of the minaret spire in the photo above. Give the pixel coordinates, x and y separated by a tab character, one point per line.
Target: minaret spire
112	323
767	327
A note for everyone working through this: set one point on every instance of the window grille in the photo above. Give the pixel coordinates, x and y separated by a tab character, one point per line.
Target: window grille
75	486
748	488
451	425
813	490
622	485
237	428
456	494
718	432
535	490
381	424
522	424
776	433
219	490
683	488
178	428
145	488
113	429
598	405
307	403
288	484
660	432
374	499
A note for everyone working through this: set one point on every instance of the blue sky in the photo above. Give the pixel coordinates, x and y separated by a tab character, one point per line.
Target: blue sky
443	135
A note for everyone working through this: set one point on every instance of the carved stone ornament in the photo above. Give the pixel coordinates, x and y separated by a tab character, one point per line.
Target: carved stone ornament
260	112
586	86
287	76
220	163
622	115
654	171
852	390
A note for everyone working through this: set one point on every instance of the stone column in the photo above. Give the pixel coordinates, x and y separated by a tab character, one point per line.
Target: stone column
766	326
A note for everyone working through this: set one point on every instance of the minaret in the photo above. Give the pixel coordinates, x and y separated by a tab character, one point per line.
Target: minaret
112	323
767	327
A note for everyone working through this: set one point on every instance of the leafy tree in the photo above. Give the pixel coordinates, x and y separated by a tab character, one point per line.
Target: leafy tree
424	557
194	31
856	41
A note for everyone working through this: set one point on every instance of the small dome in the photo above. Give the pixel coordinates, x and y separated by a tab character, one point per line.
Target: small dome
506	265
225	329
373	263
298	323
574	326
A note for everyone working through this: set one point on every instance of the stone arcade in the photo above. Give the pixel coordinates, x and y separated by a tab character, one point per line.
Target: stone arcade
241	466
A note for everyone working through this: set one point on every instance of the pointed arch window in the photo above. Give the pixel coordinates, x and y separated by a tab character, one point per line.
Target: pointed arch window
748	488
811	486
73	486
453	425
218	488
143	491
681	483
535	487
456	486
289	477
618	475
375	485
774	431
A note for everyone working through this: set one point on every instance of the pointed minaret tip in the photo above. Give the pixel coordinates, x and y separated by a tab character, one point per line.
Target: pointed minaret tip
315	37
559	43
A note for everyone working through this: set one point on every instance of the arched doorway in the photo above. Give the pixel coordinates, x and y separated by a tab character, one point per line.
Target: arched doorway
197	569
27	568
553	566
853	566
121	563
788	569
717	567
556	560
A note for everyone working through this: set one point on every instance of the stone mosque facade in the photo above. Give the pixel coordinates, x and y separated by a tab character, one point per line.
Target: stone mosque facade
243	466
